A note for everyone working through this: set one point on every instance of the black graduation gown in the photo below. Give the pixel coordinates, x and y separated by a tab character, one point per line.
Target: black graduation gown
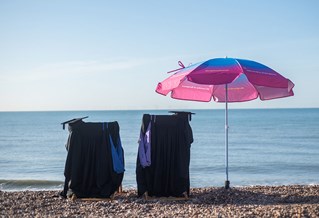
89	167
168	174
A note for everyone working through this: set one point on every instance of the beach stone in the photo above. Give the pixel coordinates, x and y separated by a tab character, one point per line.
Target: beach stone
254	201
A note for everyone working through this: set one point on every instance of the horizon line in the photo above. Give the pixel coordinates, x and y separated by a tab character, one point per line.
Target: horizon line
162	109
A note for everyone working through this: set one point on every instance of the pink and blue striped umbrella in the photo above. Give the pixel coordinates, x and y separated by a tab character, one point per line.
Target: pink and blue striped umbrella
246	80
226	80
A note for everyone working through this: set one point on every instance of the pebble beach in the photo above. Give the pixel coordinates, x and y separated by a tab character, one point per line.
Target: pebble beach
253	201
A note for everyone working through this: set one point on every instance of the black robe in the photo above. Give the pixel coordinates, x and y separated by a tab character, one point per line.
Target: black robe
168	174
89	168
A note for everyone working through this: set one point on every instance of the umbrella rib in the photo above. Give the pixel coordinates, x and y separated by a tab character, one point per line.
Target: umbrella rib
242	70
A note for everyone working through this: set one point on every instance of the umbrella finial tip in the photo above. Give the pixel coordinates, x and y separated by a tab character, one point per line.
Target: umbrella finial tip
181	64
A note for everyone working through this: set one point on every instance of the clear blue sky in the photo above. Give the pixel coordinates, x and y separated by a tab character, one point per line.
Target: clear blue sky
105	55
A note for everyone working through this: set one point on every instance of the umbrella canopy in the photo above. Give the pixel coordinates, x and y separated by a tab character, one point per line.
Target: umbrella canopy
246	80
226	80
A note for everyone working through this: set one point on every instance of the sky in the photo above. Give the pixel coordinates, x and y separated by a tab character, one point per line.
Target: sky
110	55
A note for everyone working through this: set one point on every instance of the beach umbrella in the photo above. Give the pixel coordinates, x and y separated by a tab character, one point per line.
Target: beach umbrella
225	80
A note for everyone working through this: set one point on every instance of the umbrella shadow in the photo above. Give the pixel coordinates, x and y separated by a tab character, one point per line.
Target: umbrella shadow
256	195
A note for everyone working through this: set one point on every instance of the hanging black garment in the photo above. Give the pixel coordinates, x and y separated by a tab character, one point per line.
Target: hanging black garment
168	174
89	168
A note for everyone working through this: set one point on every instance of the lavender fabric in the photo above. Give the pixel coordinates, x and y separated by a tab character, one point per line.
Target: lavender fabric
144	148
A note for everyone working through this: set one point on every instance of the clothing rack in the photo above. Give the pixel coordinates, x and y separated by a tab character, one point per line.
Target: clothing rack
73	121
189	114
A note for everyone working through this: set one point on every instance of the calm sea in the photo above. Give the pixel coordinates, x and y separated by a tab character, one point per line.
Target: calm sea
266	147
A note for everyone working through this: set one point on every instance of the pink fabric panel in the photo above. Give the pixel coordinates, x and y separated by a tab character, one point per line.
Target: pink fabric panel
194	92
170	83
216	71
267	93
238	91
174	80
261	75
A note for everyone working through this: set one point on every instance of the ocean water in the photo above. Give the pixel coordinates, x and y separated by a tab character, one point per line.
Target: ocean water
266	147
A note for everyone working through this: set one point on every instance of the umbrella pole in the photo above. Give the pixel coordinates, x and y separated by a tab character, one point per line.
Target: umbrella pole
226	138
